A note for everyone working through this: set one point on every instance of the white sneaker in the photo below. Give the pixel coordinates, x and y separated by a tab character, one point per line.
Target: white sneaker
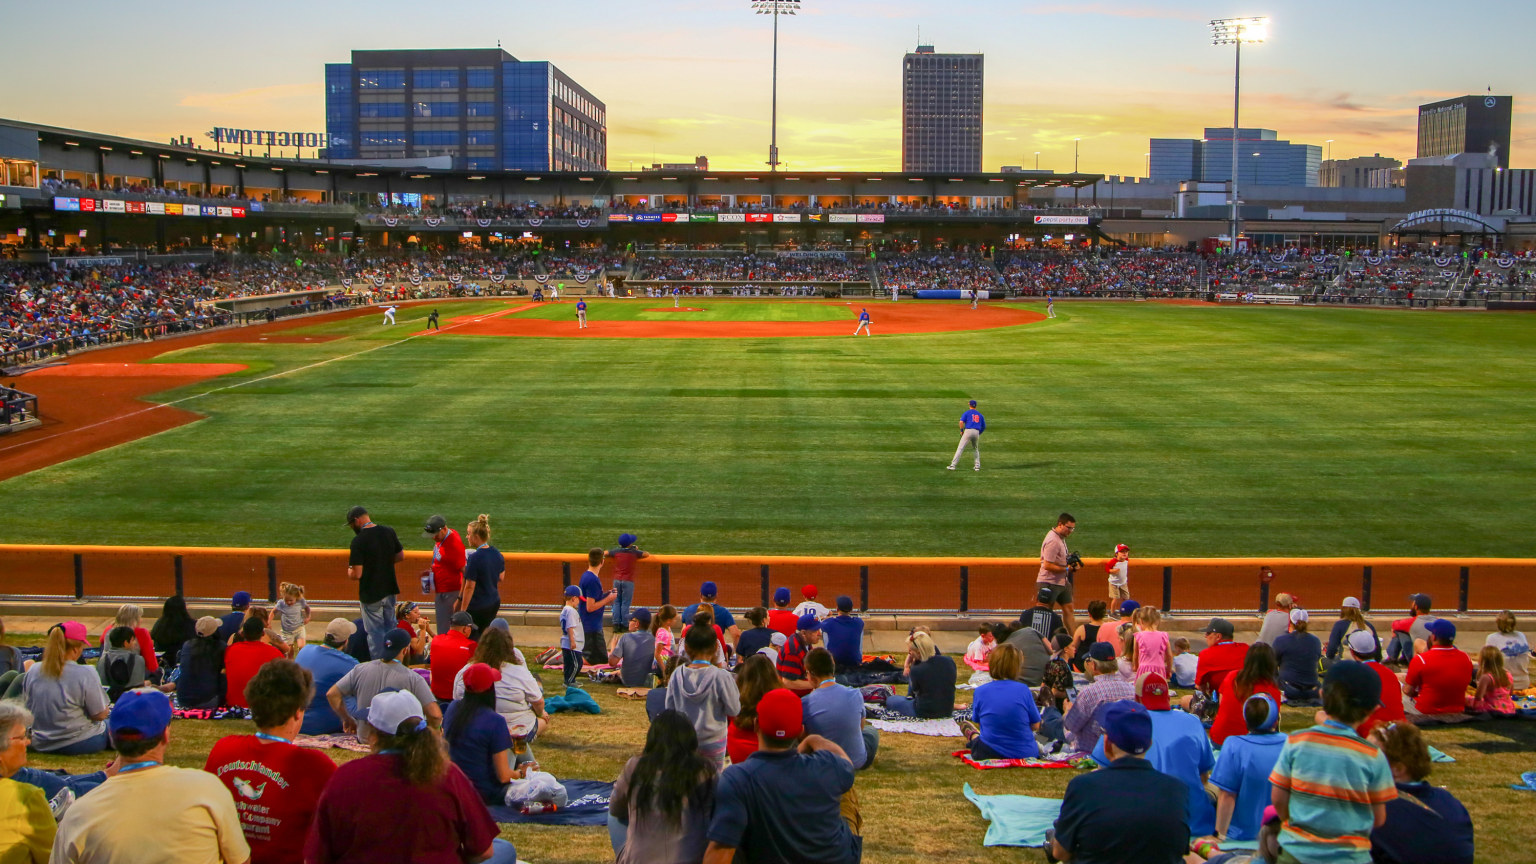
977	468
949	467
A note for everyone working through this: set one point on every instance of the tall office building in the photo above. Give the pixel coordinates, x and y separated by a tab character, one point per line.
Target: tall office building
482	106
941	111
1469	124
1262	159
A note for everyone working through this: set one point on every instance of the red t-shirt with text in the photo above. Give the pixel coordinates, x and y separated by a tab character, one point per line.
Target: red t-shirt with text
276	787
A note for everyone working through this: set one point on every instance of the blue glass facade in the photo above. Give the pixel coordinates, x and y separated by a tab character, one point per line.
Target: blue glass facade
1262	159
482	106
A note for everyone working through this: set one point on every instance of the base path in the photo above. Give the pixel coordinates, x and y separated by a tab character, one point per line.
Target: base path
886	319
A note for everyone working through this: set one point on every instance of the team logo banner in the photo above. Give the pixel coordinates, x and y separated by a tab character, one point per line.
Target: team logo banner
583	223
498	278
483	223
541	278
535	221
391	221
434	221
415	278
455	278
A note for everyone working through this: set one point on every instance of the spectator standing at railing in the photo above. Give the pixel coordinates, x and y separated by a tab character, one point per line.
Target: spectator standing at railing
374	553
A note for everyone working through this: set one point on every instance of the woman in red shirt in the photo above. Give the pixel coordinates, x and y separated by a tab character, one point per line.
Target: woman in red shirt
755	677
243	658
129	615
1260	674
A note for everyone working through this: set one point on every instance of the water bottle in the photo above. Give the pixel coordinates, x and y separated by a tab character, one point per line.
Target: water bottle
536	807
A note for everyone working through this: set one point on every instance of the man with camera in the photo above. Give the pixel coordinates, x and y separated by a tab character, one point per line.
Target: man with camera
1056	569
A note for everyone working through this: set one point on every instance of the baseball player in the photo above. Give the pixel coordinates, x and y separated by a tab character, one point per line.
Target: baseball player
389	315
895	293
554	292
432	321
676	294
581	314
974	295
972	424
1050	306
863	323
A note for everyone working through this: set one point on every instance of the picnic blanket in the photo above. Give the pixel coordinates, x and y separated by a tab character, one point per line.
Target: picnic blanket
575	700
588	806
326	742
227	712
1055	760
1017	820
887	720
1437	755
1527	782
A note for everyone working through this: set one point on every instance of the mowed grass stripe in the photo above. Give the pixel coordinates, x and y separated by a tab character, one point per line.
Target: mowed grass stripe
1180	430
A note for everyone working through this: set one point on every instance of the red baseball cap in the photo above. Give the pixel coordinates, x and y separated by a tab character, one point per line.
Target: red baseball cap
779	715
1122	548
809	590
1152	692
480	677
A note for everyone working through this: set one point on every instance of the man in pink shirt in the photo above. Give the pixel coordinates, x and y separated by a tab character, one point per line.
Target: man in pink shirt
1054	573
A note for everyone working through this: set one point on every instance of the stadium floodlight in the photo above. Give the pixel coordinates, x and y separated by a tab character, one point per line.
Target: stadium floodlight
775	8
1234	32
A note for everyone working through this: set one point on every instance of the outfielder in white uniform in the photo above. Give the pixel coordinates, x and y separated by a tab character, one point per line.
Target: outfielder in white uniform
389	315
972	424
863	323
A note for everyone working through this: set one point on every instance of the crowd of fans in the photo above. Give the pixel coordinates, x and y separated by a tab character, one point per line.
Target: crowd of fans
918	270
753	268
1139	272
70	188
469	212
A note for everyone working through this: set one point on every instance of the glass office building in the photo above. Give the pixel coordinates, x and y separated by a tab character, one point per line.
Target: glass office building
484	107
1262	159
1470	124
941	111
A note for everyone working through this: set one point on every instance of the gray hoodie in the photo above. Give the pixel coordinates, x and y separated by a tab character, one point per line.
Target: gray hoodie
707	696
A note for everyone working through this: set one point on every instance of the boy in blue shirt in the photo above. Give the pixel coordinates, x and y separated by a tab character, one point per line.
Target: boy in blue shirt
572	640
843	634
1241	775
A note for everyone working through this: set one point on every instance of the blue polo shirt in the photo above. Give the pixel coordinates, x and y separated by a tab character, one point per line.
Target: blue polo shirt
328	665
473	747
1424	825
1129	811
844	637
723	617
1005	711
1182	750
591	589
782	806
973	420
836	713
1243	770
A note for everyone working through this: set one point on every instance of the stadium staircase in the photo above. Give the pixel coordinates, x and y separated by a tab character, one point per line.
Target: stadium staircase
875	288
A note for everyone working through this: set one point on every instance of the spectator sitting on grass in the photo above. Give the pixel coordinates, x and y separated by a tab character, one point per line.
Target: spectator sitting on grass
1330	786
1004	711
782	617
519	695
65	698
843	634
1221	658
327	663
1298	654
162	812
173	628
478	740
1366	649
1055	684
1510	642
1350	620
1437	678
982	646
1259	674
1241	775
29	823
229	625
1277	619
635	651
836	712
200	684
132	617
723	618
121	666
791	801
755	676
792	656
662	800
759	635
930	681
704	693
1424	824
1104	686
366	681
244	657
1180	749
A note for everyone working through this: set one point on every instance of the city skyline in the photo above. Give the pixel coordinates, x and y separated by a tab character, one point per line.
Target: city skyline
689	78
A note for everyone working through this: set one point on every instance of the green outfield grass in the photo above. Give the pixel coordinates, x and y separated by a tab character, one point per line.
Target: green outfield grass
710	309
1180	430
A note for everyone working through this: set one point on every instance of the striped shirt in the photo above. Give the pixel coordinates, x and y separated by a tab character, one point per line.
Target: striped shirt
1080	724
1335	777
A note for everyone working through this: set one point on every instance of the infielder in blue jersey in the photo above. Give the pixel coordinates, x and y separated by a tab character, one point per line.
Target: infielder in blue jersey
581	314
863	323
972	425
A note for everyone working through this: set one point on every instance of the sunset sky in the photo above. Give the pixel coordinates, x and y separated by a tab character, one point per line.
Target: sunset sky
683	78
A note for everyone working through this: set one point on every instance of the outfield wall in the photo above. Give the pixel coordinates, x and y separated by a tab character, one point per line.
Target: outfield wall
932	585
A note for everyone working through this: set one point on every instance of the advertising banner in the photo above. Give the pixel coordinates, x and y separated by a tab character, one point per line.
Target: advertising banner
210	210
875	218
155	207
618	217
66	204
646	217
758	217
112	205
786	217
136	207
88	205
733	217
191	210
1061	220
172	209
703	217
223	211
843	217
237	212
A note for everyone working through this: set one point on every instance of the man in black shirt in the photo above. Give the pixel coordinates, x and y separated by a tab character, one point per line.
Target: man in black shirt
375	551
1042	619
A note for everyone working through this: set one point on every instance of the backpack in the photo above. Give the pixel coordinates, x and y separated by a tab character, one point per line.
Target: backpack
119	675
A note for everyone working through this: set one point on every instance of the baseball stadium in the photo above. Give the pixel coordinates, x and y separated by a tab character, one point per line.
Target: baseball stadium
226	374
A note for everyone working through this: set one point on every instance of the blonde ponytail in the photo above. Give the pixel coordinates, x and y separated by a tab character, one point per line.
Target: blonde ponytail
479	530
55	652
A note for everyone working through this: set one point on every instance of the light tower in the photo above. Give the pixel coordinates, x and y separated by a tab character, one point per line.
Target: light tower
1234	32
775	8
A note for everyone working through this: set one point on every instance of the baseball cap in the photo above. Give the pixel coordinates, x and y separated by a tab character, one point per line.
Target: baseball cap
1299	616
139	714
340	629
1420	601
395	640
1351	603
1360	682
461	618
1122	548
435	523
808	621
207	625
500	624
1363	642
1220	625
1101	651
1045	593
643	616
627	539
809	591
480	677
1152	691
781	596
779	715
1127	725
74	631
1442	629
708	589
572	591
1284	600
844	603
240	600
356	513
1129	606
973	403
388	710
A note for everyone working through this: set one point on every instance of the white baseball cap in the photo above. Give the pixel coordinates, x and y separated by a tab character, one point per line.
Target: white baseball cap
1351	603
1362	642
1299	616
388	710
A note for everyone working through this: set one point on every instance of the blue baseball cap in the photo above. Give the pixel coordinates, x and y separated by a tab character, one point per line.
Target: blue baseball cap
627	539
1127	725
808	621
139	714
781	596
973	403
241	600
708	589
1442	629
1101	651
572	591
1129	606
844	603
396	640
